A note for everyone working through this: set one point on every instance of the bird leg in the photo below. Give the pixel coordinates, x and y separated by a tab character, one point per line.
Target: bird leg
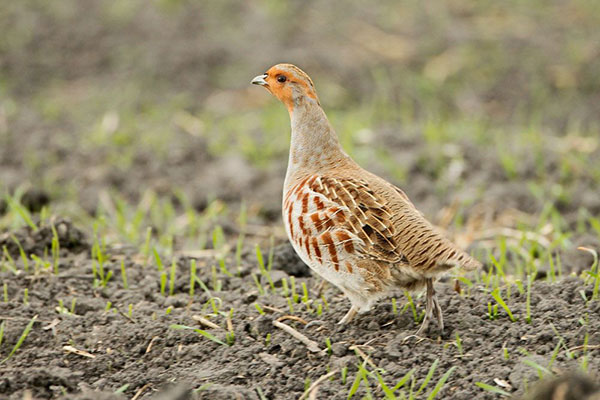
320	286
349	315
432	308
437	310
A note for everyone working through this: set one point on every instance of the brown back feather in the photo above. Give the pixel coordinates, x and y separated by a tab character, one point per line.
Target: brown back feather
393	230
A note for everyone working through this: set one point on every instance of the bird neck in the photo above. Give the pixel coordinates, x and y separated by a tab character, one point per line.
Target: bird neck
315	146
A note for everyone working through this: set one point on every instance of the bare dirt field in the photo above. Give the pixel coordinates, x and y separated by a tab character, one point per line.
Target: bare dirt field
142	253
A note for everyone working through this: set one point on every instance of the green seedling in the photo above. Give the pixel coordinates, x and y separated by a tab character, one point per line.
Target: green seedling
541	370
25	296
39	264
440	384
466	281
551	277
218	238
530	279
261	290
238	249
344	374
216	283
305	298
594	272
295	297
193	267
73	304
203	387
586	357
206	334
496	295
44	215
361	376
389	393
158	260
172	277
94	273
492	389
122	389
108	306
268	339
146	248
259	309
124	275
22	253
230	336
284	287
5	292
404	379
103	275
328	344
15	205
12	266
163	283
416	317
213	303
263	270
307	383
562	341
61	308
21	339
55	250
555	353
394	306
428	376
519	285
2	326
459	344
242	220
492	311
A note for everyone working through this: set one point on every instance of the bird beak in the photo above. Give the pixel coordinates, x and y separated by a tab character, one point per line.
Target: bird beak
260	80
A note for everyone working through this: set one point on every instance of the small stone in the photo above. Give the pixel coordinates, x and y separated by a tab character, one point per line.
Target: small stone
339	349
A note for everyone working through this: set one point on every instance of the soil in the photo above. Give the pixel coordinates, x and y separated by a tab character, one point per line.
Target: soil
71	56
140	349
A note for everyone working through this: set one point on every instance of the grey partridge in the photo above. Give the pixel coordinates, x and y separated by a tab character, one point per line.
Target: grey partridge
351	227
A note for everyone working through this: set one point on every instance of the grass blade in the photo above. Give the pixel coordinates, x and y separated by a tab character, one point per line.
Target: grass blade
206	334
492	389
21	339
404	379
499	300
429	375
440	384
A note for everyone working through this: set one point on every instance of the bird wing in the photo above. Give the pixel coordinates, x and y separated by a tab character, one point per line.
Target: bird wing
340	215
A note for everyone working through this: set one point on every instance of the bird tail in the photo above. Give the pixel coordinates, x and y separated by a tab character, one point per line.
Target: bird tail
460	259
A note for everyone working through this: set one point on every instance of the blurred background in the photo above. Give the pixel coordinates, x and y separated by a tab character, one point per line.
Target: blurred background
141	111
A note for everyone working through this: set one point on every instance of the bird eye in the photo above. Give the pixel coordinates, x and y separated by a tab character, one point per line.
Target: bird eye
281	78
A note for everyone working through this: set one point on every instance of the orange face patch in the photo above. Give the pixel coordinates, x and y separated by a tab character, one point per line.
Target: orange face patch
295	79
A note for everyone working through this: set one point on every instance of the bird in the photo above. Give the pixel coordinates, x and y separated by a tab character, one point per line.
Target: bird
570	386
351	227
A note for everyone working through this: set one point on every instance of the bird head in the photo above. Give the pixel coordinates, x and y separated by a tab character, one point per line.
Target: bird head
289	84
